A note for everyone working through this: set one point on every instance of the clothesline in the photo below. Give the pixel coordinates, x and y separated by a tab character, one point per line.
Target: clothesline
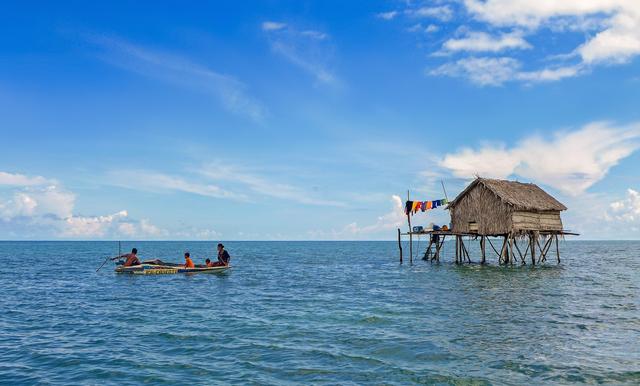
412	207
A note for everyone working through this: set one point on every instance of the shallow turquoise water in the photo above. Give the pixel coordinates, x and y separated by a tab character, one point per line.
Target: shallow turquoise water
318	312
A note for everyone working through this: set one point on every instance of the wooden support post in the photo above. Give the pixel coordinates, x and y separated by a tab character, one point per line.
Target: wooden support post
457	248
466	251
532	241
512	256
400	245
544	250
492	247
522	257
410	234
427	253
557	249
463	251
502	250
438	247
482	247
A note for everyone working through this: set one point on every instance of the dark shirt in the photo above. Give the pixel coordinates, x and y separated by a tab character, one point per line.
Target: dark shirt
224	257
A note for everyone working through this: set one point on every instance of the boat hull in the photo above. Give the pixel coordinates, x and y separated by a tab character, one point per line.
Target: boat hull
156	269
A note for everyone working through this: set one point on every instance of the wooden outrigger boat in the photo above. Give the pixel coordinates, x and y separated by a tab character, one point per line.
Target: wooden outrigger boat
157	267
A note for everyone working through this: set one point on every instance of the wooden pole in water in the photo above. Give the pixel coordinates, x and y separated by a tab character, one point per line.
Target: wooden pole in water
532	241
482	247
400	245
511	249
557	249
410	233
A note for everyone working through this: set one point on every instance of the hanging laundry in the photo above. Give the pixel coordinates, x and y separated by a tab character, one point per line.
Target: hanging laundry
407	207
414	206
423	206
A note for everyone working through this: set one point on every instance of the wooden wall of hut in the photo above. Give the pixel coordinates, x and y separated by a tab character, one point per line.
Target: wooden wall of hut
484	208
529	220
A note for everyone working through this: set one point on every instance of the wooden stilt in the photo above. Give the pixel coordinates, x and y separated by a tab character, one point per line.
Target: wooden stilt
438	247
557	249
457	248
532	241
400	245
427	253
544	249
410	234
522	257
512	256
482	247
492	247
463	251
502	250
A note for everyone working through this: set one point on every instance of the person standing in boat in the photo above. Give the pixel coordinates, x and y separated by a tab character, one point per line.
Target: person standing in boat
132	258
223	258
188	263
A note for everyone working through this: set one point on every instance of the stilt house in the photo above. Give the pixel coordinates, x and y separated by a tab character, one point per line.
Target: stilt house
489	207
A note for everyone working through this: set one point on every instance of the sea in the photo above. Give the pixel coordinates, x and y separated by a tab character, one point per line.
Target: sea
325	313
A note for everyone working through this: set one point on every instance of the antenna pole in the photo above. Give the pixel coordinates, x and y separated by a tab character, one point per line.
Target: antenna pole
444	190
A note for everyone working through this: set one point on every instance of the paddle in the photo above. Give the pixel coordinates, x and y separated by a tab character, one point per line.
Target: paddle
103	263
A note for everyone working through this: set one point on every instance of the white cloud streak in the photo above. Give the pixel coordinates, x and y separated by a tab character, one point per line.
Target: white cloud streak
570	161
230	92
306	49
483	42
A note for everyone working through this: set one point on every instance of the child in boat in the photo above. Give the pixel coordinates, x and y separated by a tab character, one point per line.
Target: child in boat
188	263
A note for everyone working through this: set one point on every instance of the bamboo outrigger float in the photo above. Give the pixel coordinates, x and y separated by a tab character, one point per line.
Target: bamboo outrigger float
510	211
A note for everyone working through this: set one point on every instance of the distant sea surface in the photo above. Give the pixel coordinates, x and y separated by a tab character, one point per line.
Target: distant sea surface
318	313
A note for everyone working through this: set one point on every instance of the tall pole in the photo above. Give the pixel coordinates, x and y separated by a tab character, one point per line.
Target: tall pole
410	233
400	245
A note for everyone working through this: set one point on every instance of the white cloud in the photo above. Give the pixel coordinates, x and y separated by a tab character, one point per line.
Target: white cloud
611	29
14	179
93	226
273	26
442	13
160	182
314	34
37	205
490	71
618	42
229	91
263	186
570	161
234	178
387	15
627	209
383	225
306	49
431	28
481	71
482	41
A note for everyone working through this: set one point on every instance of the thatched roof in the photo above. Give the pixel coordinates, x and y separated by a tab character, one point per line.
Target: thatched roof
520	195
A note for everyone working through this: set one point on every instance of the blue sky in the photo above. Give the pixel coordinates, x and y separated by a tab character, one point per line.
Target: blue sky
310	120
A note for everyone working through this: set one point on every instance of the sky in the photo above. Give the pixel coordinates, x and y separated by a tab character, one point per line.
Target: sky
310	120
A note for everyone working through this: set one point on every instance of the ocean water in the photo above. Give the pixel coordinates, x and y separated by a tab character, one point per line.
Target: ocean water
318	313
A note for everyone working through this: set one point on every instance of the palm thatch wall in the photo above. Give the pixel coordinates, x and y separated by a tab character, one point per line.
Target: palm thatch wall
499	207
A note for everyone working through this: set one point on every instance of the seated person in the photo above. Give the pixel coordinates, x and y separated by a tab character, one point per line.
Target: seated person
188	263
131	258
223	258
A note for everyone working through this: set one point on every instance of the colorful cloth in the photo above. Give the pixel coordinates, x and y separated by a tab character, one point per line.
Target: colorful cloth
407	207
